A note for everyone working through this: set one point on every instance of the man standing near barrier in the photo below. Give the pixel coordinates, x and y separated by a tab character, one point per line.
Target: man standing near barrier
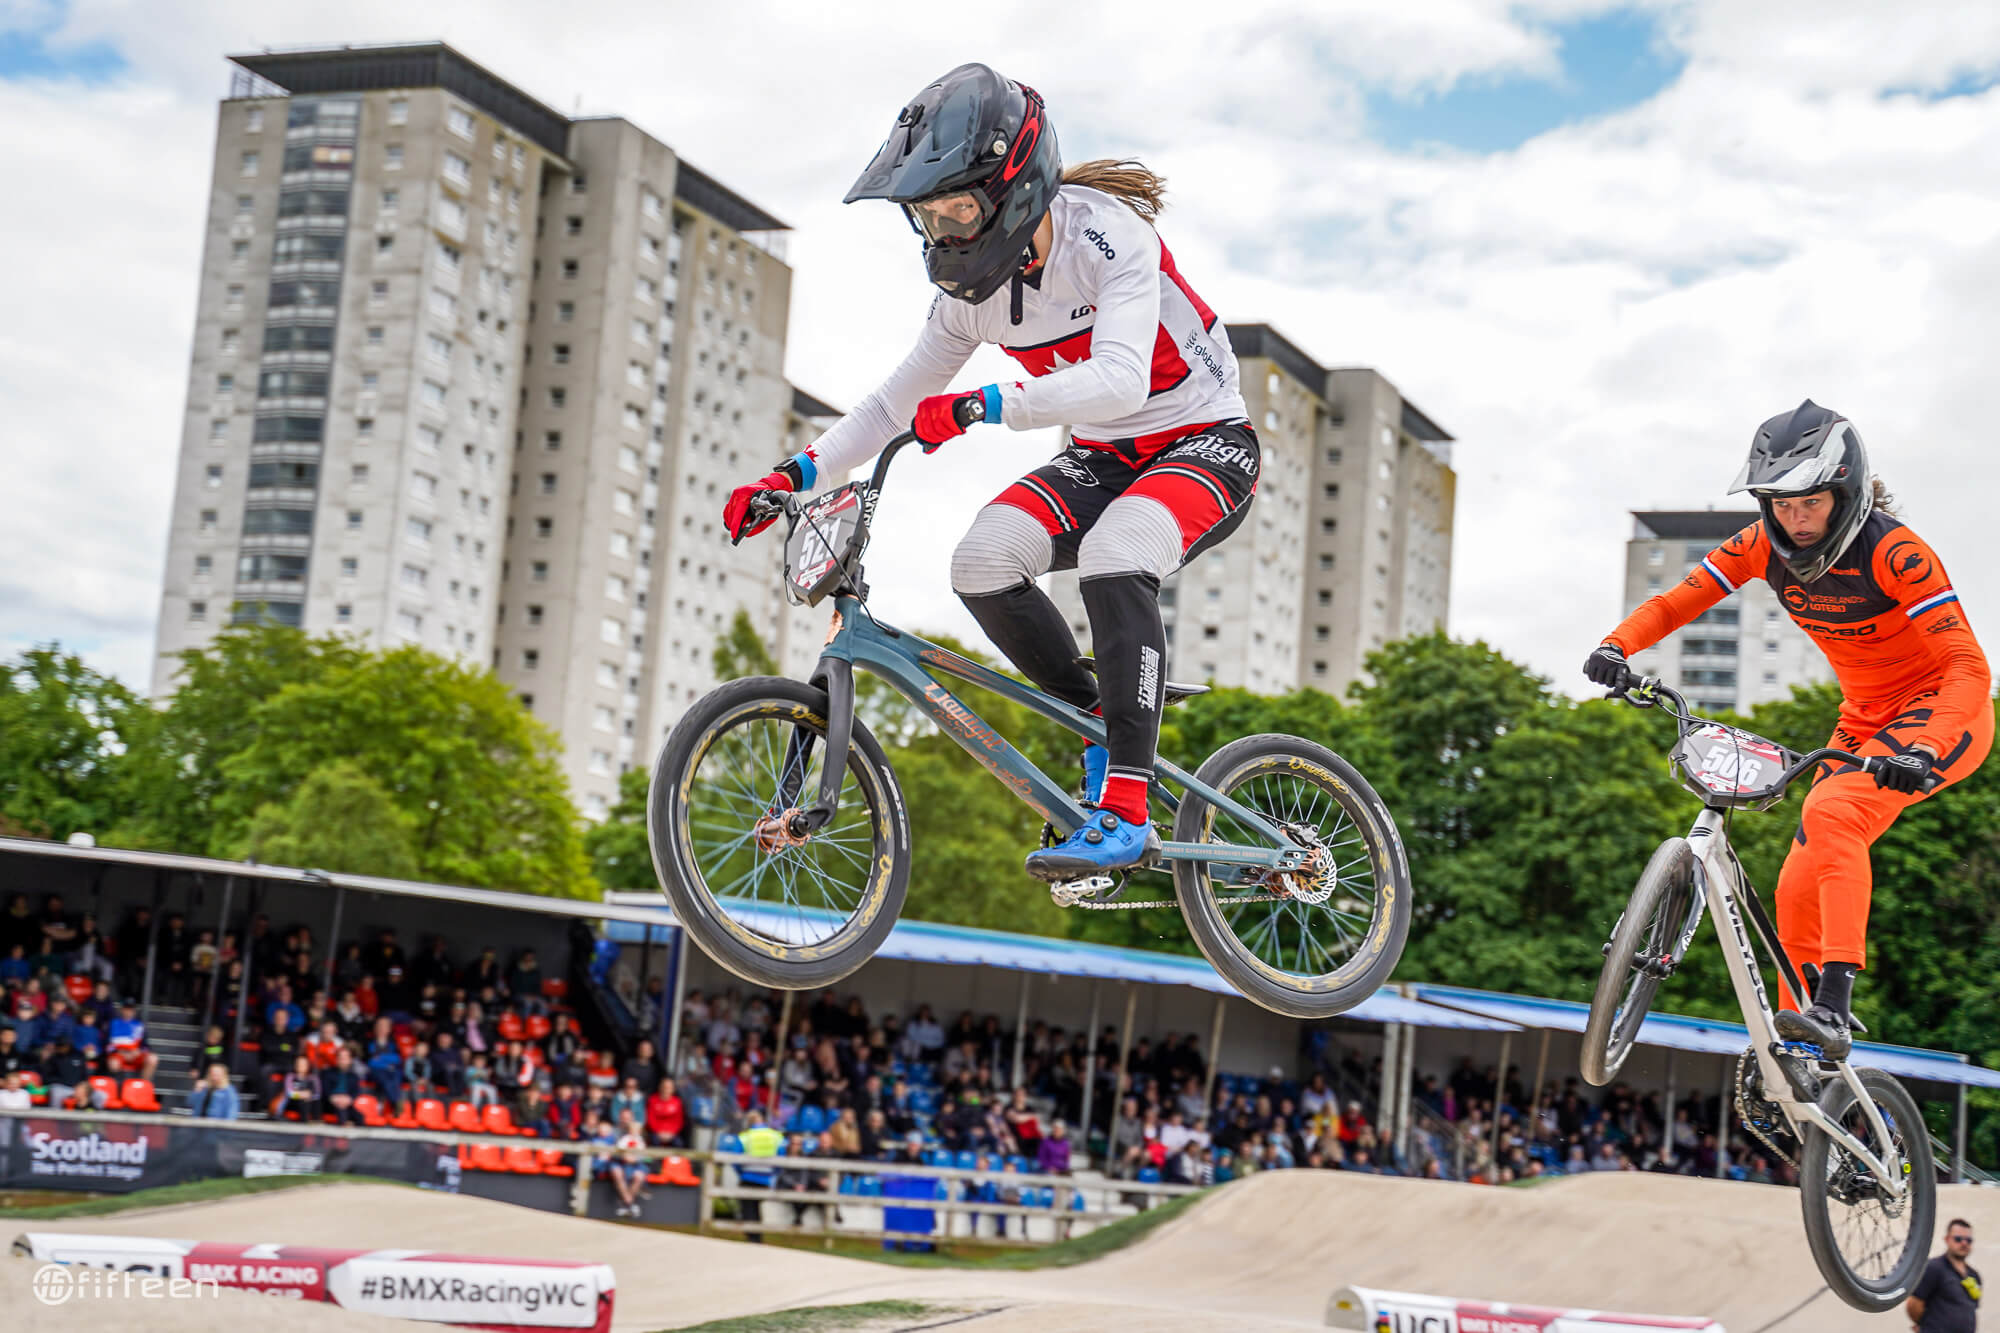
759	1140
1947	1296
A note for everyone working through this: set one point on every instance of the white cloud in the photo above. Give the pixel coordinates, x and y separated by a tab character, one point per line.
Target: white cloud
1602	316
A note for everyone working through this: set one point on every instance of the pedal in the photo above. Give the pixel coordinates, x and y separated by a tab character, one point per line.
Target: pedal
1070	892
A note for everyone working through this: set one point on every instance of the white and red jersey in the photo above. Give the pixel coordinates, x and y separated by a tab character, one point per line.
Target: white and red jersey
1116	345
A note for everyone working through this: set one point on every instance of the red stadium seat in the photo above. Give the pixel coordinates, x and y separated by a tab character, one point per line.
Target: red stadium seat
77	986
511	1028
487	1157
370	1110
138	1095
555	1163
405	1118
673	1171
108	1086
538	1027
464	1117
405	1043
523	1162
430	1114
555	989
497	1119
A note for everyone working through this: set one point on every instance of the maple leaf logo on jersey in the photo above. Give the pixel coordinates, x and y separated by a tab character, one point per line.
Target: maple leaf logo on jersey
1908	563
1051	357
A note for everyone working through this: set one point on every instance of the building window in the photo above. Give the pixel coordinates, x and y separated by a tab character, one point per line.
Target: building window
374	336
530	658
457	170
628	458
350	567
459	122
602	719
359	476
1653	583
197	611
573	226
557	397
354	520
409	624
399	111
418	531
392	157
548	481
1324	597
545	527
559	353
611	631
1657	556
202	565
624	501
249	164
214	477
578	184
565	311
569	269
432	394
614	587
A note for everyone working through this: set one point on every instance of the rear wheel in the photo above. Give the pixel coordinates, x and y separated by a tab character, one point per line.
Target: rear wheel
1645	948
772	906
1871	1249
1312	944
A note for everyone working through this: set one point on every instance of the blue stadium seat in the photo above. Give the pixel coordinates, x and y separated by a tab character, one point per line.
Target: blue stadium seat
966	1159
729	1143
1019	1164
1149	1175
810	1120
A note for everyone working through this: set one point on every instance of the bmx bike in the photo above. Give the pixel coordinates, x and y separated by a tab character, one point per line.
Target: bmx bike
1868	1182
779	833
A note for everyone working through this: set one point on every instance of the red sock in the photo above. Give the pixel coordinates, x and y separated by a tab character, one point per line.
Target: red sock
1125	797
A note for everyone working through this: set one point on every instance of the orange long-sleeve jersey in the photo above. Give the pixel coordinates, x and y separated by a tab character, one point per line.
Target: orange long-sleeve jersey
1885	616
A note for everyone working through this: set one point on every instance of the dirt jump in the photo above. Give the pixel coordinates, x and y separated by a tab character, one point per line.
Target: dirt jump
1266	1252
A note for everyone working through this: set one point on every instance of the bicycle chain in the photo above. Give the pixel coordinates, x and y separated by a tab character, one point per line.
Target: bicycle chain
1118	906
1743	1111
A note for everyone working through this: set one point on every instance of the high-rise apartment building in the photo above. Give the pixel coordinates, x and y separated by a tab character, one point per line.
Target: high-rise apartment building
1739	653
1347	547
470	374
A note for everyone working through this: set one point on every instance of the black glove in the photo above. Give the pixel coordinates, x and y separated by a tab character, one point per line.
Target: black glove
1905	772
1607	667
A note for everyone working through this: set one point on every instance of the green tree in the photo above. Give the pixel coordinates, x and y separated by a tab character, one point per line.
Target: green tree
472	772
740	651
338	819
175	754
62	747
619	853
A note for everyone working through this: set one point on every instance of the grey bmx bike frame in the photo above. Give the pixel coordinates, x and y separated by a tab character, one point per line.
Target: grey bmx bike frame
906	662
1723	889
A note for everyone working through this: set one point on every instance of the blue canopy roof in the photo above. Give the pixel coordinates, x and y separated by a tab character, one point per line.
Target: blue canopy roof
1711	1035
932	942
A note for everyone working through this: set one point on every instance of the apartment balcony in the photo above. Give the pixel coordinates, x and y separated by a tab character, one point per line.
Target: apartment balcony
279	495
275	541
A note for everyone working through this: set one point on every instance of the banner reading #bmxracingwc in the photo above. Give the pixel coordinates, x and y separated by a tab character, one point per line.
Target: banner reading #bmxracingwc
517	1295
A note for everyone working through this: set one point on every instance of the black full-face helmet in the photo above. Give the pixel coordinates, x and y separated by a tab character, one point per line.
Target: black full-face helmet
973	161
1801	452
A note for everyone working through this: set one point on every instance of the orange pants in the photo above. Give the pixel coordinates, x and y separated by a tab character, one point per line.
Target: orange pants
1824	889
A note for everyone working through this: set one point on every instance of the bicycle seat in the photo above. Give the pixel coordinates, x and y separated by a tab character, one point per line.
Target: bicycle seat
1172	692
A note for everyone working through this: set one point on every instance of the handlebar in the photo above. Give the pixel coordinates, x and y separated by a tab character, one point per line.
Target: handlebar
1651	691
967	411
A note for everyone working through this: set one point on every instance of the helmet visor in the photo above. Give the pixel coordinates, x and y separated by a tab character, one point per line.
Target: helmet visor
952	218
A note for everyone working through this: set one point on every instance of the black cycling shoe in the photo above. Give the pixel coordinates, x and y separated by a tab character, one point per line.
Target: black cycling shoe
1820	1026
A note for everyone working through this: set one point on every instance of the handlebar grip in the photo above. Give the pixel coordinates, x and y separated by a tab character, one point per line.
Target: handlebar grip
969	410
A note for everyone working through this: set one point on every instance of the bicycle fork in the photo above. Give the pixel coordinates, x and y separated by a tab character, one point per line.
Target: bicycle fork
1721	883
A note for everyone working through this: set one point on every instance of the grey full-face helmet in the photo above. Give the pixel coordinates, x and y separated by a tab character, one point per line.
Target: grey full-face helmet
1801	452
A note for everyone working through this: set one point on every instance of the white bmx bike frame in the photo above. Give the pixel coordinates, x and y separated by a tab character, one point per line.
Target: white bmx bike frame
1723	886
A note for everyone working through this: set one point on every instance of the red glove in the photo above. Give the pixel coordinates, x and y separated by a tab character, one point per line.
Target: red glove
736	518
944	416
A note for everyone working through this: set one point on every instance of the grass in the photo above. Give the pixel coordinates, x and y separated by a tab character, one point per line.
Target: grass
1096	1245
199	1191
818	1318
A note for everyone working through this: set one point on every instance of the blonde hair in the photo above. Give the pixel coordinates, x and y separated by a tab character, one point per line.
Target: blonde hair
1881	497
1142	191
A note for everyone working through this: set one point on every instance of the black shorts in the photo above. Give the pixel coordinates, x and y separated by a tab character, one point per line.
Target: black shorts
1206	480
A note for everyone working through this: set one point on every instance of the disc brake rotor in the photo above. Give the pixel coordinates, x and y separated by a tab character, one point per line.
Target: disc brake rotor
1314	882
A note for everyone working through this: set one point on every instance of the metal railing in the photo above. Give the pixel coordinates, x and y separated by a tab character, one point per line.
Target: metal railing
1062	1214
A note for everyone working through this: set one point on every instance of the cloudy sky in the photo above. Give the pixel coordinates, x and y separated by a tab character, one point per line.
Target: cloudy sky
1597	242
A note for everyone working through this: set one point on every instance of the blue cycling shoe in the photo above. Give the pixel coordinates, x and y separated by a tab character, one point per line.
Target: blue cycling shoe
1104	843
1096	764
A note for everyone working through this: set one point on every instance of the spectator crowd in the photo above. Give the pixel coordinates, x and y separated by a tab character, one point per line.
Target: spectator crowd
381	1030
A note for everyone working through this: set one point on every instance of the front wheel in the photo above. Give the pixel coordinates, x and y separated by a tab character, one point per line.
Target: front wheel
775	906
1645	948
1871	1249
1312	944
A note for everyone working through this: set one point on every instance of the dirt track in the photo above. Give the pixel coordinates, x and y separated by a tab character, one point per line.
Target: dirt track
1263	1253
